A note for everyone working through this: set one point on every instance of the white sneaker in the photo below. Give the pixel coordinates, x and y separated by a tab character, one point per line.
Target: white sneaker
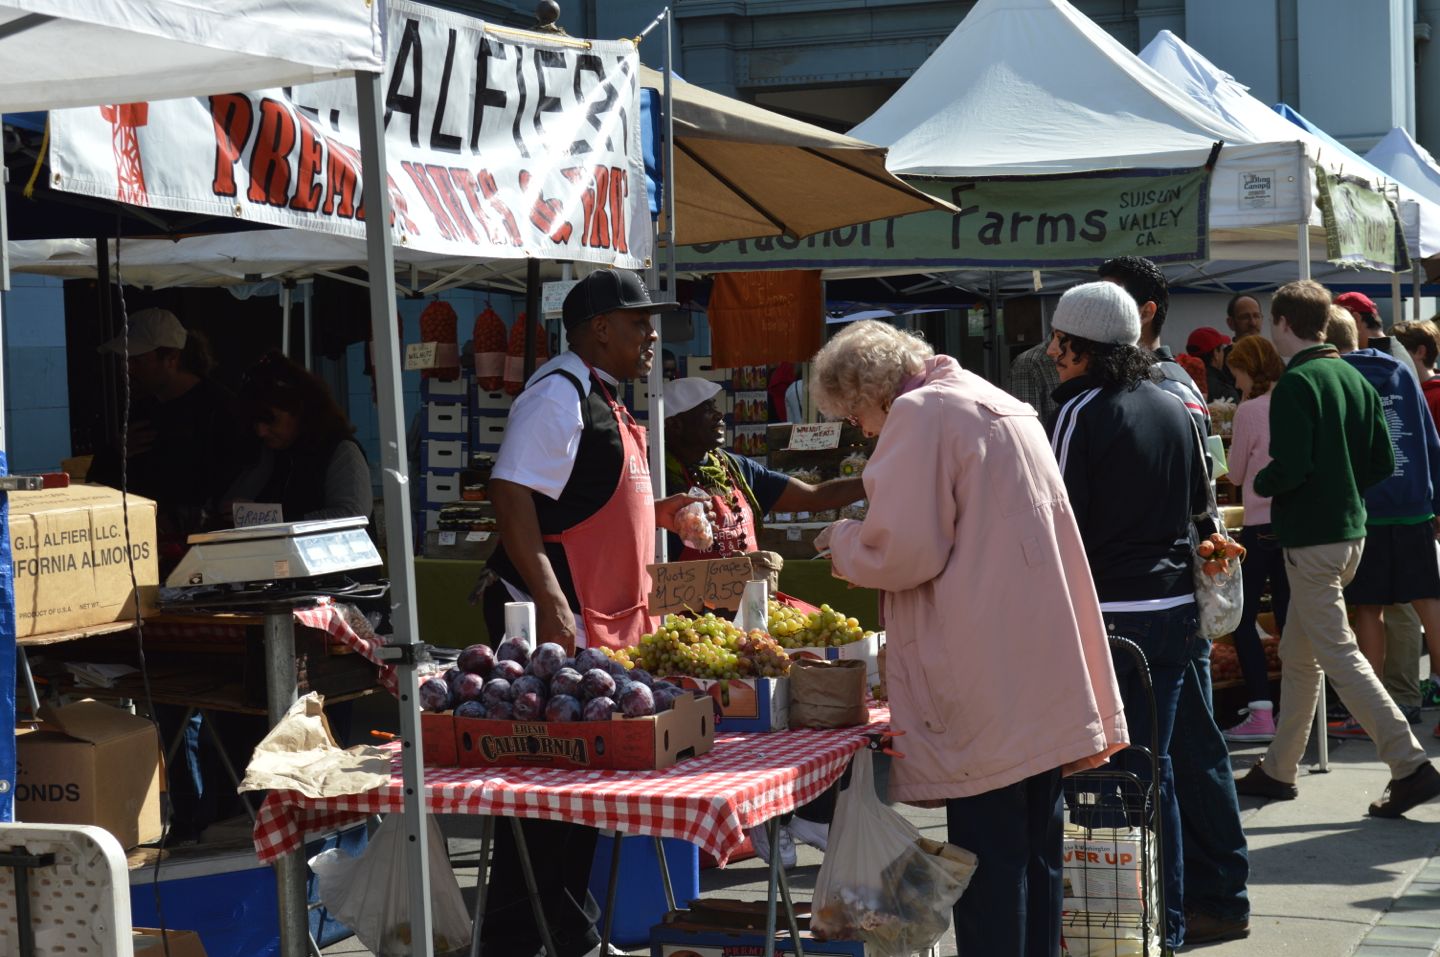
760	840
811	832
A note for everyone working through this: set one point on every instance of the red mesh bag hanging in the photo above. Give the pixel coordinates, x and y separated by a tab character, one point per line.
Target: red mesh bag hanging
438	324
489	342
515	361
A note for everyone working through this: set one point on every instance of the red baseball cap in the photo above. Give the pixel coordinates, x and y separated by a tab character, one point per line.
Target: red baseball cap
1205	340
1357	302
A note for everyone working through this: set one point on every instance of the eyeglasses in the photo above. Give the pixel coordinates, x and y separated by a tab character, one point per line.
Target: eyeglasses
853	419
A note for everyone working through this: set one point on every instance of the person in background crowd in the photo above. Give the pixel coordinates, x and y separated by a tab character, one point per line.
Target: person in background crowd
782	377
1117	434
311	465
1422	340
1033	379
1256	367
185	445
669	365
1398	572
1145	282
1210	346
1403	641
1196	367
1367	317
969	535
1216	865
1244	316
1328	443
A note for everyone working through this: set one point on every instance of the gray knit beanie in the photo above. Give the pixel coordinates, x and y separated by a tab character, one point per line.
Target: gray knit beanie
1099	311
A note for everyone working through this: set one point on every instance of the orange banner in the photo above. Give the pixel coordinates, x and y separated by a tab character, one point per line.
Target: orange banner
764	318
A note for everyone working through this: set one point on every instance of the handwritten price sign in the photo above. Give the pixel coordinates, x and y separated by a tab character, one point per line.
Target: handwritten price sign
697	586
815	436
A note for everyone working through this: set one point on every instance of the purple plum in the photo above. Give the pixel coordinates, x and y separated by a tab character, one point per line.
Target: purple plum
566	681
434	695
529	706
450	675
468	687
548	659
514	649
666	685
665	698
472	709
589	658
615	668
529	684
500	711
509	670
562	707
638	702
622	687
642	676
495	691
598	709
477	659
596	683
569	663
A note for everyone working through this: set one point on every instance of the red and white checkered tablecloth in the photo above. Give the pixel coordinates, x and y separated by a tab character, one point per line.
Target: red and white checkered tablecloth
347	625
744	780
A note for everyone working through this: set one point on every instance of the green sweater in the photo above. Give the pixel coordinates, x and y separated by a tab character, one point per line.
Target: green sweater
1328	443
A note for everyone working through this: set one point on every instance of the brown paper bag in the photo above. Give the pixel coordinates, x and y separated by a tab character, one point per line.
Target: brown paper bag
827	694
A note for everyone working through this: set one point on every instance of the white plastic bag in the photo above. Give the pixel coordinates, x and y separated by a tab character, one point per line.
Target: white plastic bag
881	881
371	894
1219	597
693	524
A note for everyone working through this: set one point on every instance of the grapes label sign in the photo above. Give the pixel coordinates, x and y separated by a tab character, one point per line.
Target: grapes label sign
694	586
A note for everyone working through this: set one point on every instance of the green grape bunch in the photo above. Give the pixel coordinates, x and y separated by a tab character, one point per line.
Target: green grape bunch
827	627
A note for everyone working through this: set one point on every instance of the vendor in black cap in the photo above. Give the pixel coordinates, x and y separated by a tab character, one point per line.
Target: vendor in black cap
577	517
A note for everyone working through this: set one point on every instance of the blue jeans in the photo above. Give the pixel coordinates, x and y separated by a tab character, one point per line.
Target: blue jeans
1217	864
1164	637
1012	906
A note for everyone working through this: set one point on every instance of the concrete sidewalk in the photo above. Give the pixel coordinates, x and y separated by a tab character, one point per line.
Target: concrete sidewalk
1326	880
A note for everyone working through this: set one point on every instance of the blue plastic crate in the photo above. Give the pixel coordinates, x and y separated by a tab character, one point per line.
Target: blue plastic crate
230	900
640	895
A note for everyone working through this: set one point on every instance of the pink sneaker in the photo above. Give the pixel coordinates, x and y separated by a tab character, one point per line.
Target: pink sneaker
1259	725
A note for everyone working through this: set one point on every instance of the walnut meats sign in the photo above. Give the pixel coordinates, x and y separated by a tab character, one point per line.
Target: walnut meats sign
500	145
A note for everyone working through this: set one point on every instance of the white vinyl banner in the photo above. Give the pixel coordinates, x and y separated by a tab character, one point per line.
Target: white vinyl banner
500	144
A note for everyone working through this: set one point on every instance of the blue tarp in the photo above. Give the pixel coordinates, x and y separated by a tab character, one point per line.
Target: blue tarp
7	659
652	108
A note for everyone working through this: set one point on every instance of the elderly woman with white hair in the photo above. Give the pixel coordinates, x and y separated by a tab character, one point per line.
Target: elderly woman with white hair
987	593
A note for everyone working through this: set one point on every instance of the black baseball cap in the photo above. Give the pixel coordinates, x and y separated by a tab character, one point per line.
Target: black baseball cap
607	290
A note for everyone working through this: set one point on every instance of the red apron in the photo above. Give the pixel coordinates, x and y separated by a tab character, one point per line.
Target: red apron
609	551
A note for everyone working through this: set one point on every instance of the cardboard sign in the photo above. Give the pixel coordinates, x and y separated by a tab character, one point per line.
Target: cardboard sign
552	296
431	355
814	436
694	586
247	514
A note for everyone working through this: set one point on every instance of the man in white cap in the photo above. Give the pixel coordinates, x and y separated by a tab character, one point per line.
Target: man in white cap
742	491
1120	438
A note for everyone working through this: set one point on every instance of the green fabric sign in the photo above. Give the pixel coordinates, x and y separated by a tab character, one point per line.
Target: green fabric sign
1005	222
1362	226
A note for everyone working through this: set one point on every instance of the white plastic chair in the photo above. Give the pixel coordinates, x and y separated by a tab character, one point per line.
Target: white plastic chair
77	891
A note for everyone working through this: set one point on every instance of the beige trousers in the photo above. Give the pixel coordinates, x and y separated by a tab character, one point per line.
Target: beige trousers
1404	644
1317	638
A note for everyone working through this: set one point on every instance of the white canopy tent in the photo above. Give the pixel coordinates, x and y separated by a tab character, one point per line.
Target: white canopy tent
69	53
1398	155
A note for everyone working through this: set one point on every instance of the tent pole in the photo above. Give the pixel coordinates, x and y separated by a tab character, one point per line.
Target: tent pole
992	327
656	380
1397	305
532	314
396	486
308	321
286	288
1417	280
1303	250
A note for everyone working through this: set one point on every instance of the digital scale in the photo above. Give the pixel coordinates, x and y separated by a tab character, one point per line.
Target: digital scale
262	555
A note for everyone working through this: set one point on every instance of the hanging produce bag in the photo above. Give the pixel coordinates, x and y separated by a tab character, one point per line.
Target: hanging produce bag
488	342
371	894
515	360
881	881
438	323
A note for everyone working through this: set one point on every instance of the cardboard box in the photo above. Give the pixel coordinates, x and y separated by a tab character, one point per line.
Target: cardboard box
745	704
444	391
69	551
620	744
489	433
90	763
437	739
148	942
442	487
492	404
445	455
445	422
